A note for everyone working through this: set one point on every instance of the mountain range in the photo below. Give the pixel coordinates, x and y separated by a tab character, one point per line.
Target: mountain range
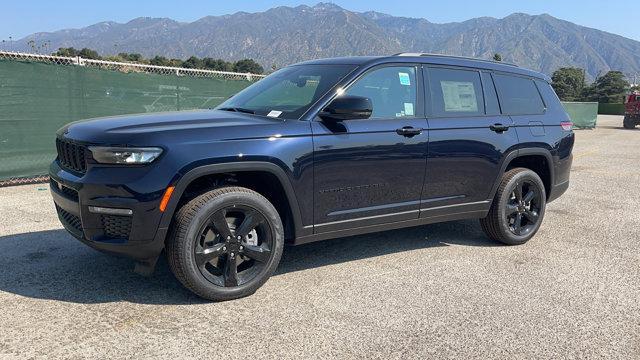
284	35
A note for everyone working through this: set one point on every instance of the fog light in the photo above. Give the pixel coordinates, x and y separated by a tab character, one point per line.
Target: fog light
110	211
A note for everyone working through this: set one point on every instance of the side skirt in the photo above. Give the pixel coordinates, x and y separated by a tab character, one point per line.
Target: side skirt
427	216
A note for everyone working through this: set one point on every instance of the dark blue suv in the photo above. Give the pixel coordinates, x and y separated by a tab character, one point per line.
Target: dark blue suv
318	150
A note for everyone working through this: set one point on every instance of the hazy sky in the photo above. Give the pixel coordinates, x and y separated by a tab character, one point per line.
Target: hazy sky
21	18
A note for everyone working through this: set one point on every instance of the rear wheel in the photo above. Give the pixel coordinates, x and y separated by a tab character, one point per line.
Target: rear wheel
629	122
225	243
517	209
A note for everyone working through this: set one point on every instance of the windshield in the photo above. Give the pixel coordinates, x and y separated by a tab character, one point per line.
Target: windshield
287	93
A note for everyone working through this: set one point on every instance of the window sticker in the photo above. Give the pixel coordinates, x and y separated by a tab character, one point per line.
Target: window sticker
408	109
459	96
274	113
404	78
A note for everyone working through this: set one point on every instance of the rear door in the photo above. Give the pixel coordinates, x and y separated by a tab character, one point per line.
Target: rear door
468	138
371	171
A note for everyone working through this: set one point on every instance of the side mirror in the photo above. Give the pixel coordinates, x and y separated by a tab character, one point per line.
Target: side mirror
347	108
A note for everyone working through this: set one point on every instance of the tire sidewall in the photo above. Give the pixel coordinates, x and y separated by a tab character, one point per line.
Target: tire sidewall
526	175
204	286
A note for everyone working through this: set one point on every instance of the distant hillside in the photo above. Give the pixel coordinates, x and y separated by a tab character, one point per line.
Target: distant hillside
284	35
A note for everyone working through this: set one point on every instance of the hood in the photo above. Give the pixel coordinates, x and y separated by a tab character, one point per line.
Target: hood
141	129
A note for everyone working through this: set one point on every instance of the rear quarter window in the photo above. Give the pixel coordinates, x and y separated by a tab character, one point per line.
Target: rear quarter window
518	95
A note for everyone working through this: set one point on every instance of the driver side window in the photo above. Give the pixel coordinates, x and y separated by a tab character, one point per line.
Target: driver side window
391	89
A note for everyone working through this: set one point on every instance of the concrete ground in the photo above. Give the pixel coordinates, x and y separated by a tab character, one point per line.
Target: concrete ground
438	291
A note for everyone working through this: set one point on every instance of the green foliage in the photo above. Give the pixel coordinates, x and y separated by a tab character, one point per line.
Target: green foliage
193	63
160	61
72	52
569	83
131	57
245	65
248	65
217	64
609	88
89	54
497	57
67	52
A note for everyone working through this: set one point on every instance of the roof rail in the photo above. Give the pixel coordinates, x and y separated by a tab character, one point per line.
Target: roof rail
454	57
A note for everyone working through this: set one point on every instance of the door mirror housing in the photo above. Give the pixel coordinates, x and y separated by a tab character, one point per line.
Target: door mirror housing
347	108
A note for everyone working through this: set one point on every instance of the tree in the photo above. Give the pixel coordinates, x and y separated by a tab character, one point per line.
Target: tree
193	63
217	64
131	57
68	52
569	83
160	61
609	88
248	66
89	54
497	57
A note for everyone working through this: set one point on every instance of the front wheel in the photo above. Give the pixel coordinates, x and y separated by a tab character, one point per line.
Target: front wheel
225	243
517	209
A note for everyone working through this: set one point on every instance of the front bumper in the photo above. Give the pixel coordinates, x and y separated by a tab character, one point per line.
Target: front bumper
137	236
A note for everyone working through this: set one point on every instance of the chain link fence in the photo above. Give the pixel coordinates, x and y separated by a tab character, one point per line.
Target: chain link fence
41	93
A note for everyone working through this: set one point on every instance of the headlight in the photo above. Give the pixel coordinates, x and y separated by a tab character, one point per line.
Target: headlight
124	155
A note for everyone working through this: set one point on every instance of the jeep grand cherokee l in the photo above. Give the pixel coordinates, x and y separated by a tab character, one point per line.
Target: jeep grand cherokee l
318	150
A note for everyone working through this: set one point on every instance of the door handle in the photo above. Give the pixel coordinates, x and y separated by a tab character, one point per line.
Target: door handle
499	128
409	131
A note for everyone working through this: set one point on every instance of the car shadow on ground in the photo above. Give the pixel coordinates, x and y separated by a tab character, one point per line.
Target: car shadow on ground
52	265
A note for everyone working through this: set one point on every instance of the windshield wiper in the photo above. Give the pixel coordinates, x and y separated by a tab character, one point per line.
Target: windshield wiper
237	109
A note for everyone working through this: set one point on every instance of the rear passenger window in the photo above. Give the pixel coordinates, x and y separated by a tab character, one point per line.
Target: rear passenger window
518	95
455	92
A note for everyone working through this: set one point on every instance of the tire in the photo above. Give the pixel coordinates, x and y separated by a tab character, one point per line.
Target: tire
502	224
203	250
629	122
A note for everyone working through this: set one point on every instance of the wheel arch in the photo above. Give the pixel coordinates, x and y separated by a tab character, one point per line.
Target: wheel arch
200	172
528	157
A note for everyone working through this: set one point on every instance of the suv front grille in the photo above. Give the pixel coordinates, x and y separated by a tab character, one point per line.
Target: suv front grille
71	155
115	226
69	219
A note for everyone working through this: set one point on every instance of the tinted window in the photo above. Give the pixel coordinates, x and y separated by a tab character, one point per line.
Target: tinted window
490	95
392	91
455	92
289	92
518	95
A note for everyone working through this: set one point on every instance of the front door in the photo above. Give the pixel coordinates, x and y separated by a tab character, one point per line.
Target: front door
371	171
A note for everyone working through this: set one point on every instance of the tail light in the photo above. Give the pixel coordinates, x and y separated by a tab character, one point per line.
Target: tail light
566	125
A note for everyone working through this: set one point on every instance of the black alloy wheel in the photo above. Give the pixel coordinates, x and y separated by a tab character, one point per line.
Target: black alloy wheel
517	209
522	212
234	246
225	243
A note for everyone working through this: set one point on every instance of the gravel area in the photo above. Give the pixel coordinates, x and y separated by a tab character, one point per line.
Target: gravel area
437	291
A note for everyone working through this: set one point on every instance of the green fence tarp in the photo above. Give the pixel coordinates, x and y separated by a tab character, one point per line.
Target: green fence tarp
36	99
611	109
583	114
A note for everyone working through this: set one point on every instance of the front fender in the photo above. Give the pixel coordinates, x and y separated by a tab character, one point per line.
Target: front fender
183	182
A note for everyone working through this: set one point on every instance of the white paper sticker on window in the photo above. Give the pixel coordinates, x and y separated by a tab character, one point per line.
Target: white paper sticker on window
274	113
408	109
405	79
459	96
